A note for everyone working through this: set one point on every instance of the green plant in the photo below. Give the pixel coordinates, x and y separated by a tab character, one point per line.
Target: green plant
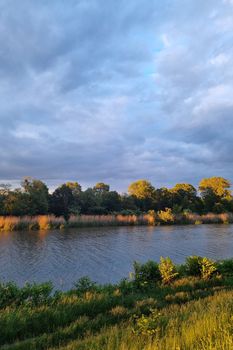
208	268
147	325
85	284
166	216
225	267
145	274
193	265
167	270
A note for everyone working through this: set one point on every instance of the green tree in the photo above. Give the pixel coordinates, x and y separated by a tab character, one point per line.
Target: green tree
4	192
101	187
61	201
162	199
16	203
216	194
38	196
144	192
185	197
88	201
75	188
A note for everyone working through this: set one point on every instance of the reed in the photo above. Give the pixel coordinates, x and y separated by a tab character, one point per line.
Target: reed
166	217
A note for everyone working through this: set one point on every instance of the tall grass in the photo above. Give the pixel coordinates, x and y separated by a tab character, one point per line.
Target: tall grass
45	222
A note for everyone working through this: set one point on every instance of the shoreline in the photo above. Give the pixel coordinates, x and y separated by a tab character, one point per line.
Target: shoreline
50	222
162	305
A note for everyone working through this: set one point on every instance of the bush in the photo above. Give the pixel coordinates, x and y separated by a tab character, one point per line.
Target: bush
167	270
35	294
149	325
198	266
208	268
145	274
126	286
193	265
225	267
85	284
166	216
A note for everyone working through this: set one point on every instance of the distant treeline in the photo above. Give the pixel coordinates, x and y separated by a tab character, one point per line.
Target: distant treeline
33	198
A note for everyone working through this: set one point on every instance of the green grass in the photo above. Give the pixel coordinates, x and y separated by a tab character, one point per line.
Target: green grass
189	313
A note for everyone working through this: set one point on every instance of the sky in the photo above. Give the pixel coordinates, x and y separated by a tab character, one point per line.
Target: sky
115	91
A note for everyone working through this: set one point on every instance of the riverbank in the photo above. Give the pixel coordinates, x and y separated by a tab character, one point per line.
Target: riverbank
46	222
192	309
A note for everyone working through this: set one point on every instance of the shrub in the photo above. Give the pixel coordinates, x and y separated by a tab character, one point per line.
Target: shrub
226	267
198	266
208	268
85	284
167	270
166	216
145	274
193	265
34	294
126	286
147	325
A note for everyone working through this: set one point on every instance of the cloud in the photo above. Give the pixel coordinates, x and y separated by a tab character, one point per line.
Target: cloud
115	91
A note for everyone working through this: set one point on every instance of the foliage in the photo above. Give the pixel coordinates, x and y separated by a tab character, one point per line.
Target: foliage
193	265
225	267
167	270
147	273
101	187
169	205
147	325
166	216
190	313
141	189
208	268
85	284
198	266
61	201
216	194
37	196
33	294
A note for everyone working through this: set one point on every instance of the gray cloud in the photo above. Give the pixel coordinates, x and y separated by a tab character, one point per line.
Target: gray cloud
115	91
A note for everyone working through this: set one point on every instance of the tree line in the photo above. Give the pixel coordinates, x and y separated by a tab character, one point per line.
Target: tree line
33	198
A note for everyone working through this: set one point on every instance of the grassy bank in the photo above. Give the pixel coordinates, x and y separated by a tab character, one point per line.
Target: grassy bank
45	222
163	307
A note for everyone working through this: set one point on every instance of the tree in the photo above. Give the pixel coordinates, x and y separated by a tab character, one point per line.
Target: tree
110	201
141	189
4	192
16	203
88	201
75	188
216	194
185	197
144	192
61	201
162	199
128	202
101	187
38	196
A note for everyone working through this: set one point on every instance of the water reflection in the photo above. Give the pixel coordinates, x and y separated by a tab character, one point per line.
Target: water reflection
104	254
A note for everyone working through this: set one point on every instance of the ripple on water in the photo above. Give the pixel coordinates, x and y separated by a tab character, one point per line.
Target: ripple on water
104	254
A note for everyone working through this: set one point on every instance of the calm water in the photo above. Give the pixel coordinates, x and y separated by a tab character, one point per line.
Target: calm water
104	254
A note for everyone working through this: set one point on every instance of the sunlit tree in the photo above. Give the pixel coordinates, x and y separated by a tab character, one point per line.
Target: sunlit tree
216	194
143	191
101	187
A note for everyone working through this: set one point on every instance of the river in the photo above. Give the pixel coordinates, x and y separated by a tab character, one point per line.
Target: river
104	254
